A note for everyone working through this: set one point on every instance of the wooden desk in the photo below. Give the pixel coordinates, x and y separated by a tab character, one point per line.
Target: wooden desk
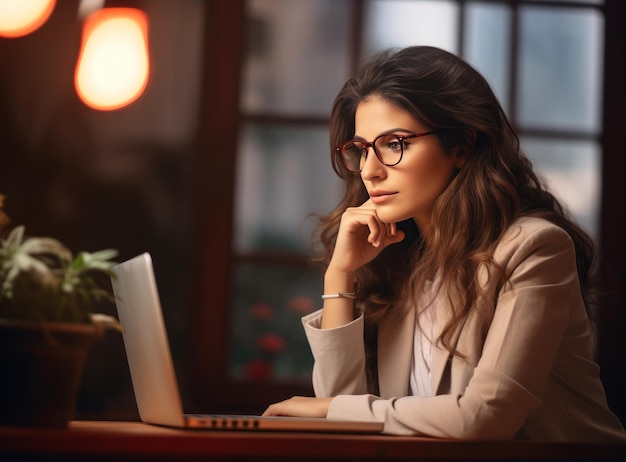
120	441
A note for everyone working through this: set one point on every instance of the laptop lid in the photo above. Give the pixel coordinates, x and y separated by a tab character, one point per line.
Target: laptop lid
152	368
146	343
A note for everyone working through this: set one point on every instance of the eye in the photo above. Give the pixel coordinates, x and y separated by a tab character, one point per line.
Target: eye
394	144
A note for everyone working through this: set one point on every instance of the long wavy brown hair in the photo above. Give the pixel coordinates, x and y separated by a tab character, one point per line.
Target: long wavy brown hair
496	186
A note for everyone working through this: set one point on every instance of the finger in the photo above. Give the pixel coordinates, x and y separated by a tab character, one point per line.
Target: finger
274	409
397	237
376	228
356	217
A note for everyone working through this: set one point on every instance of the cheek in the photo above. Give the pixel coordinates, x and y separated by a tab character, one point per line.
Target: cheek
433	172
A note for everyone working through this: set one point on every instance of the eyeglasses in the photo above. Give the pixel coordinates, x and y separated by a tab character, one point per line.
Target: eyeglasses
388	148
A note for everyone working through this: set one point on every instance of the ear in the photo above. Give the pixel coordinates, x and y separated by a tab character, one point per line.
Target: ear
461	161
460	157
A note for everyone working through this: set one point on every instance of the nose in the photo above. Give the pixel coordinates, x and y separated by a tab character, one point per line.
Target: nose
372	167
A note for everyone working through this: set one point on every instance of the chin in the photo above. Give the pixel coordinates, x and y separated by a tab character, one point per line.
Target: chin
389	216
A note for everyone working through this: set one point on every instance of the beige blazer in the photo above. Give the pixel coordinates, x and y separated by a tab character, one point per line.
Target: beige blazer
527	371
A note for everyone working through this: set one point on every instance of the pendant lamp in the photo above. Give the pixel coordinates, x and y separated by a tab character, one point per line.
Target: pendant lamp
114	63
21	17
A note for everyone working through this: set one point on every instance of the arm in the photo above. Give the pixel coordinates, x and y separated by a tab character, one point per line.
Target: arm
335	336
339	355
360	239
339	367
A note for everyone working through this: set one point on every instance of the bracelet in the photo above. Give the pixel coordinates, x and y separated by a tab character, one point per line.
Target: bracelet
350	295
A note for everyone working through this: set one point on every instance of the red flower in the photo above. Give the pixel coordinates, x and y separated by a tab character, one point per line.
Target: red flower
271	343
262	310
301	305
259	369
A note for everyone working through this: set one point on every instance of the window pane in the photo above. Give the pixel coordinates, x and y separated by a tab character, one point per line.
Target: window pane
284	174
572	169
560	68
267	338
296	59
487	44
399	23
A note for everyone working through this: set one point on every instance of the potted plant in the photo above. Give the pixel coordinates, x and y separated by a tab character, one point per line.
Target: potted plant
47	324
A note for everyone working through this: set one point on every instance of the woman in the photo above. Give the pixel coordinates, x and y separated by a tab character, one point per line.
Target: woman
457	290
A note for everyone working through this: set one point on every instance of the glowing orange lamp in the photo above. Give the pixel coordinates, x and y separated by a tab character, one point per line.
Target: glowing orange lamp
21	17
114	63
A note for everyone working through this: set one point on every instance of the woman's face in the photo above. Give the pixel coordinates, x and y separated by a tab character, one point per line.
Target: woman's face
410	188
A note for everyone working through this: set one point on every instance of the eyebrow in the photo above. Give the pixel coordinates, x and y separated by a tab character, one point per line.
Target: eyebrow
386	132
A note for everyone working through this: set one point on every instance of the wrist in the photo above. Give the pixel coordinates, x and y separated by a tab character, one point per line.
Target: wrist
348	295
338	282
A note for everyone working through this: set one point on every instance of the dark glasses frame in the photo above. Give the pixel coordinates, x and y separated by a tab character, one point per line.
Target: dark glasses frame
372	144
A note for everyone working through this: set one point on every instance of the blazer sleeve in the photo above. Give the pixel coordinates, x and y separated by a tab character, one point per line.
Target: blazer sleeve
520	347
339	356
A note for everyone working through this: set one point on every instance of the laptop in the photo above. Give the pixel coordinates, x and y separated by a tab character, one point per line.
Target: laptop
152	368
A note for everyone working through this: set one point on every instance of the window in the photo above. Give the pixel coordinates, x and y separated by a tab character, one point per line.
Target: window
291	71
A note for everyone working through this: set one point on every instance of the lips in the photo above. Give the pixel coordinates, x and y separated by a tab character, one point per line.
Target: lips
379	197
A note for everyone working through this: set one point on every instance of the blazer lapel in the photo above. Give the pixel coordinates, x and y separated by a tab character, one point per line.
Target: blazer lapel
395	353
442	357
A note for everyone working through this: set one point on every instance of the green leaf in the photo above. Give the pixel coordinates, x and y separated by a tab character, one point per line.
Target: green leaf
41	280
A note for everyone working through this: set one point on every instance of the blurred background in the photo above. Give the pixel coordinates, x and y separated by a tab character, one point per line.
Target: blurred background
220	162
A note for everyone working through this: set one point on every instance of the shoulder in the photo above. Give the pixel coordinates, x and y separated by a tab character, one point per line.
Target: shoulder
526	227
531	235
532	229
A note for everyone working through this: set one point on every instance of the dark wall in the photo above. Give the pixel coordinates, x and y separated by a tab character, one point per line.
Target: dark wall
612	353
99	180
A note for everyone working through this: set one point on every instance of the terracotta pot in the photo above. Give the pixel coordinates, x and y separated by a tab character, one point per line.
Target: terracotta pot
41	366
